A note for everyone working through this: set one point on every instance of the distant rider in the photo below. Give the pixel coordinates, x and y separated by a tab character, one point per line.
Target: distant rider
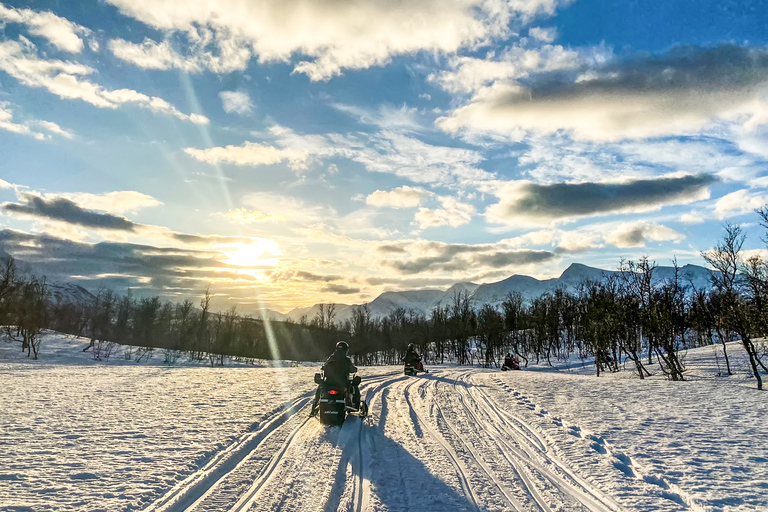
511	362
336	370
413	357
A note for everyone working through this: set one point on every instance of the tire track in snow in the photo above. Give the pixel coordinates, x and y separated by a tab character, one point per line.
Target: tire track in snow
534	449
461	470
192	490
507	493
356	455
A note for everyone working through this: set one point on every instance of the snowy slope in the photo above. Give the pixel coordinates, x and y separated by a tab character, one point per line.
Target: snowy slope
84	436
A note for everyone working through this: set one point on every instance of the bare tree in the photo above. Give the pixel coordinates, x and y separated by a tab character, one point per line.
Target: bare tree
725	258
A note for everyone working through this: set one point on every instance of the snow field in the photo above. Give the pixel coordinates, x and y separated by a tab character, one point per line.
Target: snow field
82	436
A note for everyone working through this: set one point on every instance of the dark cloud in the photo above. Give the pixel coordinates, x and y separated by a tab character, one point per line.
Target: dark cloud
340	289
64	210
535	203
309	276
449	262
686	68
630	97
110	264
391	249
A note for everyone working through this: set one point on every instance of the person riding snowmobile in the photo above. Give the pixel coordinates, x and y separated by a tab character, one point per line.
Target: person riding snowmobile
336	370
510	362
413	357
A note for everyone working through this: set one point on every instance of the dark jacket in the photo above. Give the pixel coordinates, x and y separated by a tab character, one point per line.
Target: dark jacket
338	367
411	356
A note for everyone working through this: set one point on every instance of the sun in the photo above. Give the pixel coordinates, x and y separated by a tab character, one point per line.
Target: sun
258	253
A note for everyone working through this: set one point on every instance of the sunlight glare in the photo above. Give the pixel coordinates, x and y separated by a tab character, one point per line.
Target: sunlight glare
258	253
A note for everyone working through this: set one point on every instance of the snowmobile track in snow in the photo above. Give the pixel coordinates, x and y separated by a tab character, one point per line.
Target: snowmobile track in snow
292	462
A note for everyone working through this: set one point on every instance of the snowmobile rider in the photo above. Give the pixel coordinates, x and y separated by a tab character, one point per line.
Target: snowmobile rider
336	370
511	362
413	357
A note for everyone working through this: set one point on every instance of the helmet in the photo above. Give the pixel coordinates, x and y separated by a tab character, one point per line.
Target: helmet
410	346
342	345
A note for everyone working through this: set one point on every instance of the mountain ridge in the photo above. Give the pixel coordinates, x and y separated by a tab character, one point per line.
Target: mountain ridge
424	301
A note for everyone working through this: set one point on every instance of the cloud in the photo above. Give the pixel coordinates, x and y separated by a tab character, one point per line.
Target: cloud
739	203
64	79
116	202
250	153
59	31
636	234
27	127
692	218
648	96
328	37
385	117
525	203
414	257
401	197
452	213
235	102
64	210
340	289
387	152
245	216
472	74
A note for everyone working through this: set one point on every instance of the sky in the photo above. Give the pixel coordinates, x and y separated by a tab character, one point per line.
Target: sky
283	154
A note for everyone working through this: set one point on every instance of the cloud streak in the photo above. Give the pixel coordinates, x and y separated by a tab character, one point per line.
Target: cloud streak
526	203
64	79
64	210
648	96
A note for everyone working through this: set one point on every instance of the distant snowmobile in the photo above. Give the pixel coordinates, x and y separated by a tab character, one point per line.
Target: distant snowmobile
510	363
337	401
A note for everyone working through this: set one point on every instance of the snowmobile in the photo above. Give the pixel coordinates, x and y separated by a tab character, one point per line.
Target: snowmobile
337	401
512	365
411	369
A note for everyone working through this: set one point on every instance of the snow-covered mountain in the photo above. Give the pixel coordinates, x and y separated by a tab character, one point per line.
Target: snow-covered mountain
424	301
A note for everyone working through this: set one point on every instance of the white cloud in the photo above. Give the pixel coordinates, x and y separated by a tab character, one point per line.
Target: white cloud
739	203
452	213
545	35
388	152
116	202
332	37
235	102
692	218
26	127
64	79
636	234
250	153
401	197
231	53
59	31
471	74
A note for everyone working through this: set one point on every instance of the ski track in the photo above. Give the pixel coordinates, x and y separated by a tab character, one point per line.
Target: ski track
420	426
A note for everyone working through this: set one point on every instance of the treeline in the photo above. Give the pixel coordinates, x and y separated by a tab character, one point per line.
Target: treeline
631	318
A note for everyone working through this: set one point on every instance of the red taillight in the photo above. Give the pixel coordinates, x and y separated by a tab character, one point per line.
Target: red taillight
333	392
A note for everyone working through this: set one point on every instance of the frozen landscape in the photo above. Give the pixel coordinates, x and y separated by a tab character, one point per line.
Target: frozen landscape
79	435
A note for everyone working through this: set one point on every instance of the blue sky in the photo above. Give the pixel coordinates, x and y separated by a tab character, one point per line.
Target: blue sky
289	153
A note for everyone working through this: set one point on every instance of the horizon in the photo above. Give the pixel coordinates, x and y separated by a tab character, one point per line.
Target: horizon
168	148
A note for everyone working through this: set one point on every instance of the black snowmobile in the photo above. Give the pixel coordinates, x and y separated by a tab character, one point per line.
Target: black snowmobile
412	369
337	400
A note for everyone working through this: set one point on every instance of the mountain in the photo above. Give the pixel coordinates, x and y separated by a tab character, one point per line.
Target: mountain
424	301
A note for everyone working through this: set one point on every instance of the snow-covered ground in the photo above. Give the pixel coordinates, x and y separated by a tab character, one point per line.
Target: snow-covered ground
82	435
